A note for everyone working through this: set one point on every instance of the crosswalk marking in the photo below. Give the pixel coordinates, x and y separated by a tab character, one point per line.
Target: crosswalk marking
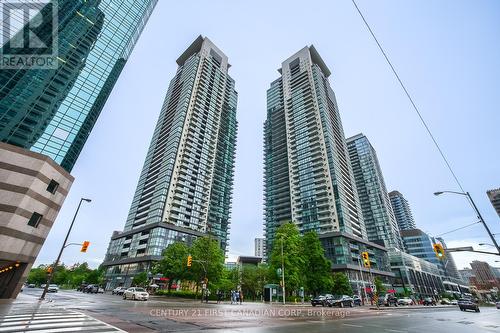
57	321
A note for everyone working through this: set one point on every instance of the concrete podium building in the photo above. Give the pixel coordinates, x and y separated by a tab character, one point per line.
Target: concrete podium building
185	187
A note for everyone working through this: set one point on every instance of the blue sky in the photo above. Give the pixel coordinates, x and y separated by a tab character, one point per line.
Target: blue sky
447	53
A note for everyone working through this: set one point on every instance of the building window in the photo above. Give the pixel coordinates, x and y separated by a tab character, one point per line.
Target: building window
35	219
53	186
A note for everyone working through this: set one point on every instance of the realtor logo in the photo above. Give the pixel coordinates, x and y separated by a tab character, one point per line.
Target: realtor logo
29	36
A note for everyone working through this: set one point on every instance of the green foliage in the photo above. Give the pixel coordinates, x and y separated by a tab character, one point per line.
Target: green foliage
228	281
174	263
208	260
341	285
37	275
288	236
379	287
68	277
253	279
317	268
140	280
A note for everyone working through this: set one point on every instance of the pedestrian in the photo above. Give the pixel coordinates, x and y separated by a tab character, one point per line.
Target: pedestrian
237	297
219	296
206	295
232	296
241	297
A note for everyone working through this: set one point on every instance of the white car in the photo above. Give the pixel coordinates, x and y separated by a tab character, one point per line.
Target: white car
53	288
405	301
136	293
454	302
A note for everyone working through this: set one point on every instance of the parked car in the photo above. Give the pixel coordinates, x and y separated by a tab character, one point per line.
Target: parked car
340	301
405	301
92	289
388	300
497	304
136	293
53	288
319	300
42	285
82	287
467	304
429	301
118	291
454	302
445	301
31	285
356	300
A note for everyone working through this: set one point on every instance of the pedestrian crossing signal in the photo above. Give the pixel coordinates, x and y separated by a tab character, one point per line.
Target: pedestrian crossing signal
189	261
85	246
366	259
439	250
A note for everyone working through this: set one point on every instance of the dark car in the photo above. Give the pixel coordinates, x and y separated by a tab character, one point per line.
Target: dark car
321	300
118	291
467	304
429	301
82	287
388	300
91	289
340	301
356	300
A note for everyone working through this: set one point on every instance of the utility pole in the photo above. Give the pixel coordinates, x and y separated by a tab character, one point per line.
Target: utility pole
51	274
282	270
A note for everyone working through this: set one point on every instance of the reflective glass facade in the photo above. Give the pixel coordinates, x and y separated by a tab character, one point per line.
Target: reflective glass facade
402	211
185	187
308	178
53	111
380	223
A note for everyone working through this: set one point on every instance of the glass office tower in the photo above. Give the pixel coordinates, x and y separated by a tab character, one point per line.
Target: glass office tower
52	111
308	178
402	211
185	187
380	223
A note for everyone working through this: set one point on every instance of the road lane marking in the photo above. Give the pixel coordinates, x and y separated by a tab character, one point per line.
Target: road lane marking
67	321
352	325
390	330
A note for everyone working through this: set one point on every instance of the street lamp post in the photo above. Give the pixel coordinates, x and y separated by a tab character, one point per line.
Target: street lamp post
282	270
51	274
467	194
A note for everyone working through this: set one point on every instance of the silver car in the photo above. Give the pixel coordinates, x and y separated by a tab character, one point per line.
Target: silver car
136	293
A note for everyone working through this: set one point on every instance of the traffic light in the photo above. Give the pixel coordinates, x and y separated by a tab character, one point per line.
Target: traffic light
49	269
189	261
439	250
366	259
85	246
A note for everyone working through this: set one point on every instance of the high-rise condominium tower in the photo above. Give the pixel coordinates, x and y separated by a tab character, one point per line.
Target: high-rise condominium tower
402	211
185	187
52	111
308	178
381	225
46	114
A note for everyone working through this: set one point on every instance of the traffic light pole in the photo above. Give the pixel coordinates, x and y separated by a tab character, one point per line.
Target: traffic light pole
51	274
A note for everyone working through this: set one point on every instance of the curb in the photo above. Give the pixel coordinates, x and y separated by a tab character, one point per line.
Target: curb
402	307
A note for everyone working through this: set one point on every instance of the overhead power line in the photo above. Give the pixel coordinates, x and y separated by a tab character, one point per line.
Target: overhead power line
448	165
465	226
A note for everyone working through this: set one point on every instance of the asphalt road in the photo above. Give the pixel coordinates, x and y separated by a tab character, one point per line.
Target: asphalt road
107	313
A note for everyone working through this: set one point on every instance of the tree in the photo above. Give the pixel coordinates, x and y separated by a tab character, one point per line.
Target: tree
341	284
37	275
317	268
174	263
208	260
288	236
379	287
140	279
